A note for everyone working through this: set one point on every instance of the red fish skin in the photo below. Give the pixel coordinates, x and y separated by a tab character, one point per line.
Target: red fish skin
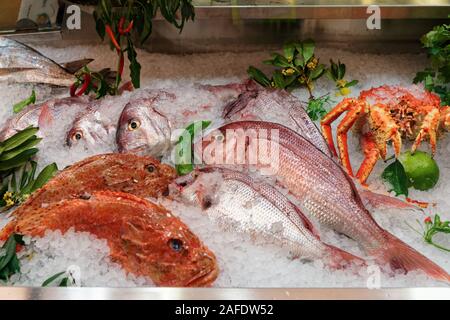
138	233
330	194
114	172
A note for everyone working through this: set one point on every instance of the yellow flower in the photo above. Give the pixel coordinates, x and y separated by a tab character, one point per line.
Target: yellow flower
288	72
345	91
272	84
341	83
8	198
312	64
9	203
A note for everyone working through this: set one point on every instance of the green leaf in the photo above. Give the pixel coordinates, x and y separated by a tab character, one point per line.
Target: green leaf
317	72
184	163
22	104
395	176
52	278
289	50
299	62
307	49
280	61
17	139
18	161
135	67
278	80
258	76
351	83
46	174
316	107
30	143
9	264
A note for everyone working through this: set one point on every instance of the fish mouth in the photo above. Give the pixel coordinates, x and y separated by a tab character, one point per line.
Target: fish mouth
204	278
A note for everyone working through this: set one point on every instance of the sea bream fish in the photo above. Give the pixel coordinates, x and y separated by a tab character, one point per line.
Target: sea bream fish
144	238
21	63
270	104
96	128
322	187
52	116
141	176
150	126
244	204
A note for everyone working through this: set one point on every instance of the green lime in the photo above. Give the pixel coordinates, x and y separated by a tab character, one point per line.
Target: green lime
421	169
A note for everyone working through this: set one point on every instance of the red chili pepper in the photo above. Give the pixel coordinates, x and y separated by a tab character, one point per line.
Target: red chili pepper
123	31
73	89
84	87
121	22
121	63
128	29
112	36
428	220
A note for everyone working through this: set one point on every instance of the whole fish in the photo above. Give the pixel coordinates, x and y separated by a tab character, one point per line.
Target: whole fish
21	63
323	188
269	104
151	127
141	176
256	208
96	128
146	239
52	117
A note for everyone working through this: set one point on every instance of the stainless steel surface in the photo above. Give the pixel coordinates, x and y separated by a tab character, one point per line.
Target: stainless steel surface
222	294
315	9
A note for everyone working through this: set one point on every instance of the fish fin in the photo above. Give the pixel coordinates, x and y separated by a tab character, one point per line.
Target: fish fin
45	117
239	104
340	259
74	66
378	200
399	255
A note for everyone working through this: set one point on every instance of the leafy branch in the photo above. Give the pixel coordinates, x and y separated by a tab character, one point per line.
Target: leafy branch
123	21
436	78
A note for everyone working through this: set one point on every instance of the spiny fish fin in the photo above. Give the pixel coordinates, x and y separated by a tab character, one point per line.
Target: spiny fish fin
401	256
45	117
239	104
340	259
378	200
74	66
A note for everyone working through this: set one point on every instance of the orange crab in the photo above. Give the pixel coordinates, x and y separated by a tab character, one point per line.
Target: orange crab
386	113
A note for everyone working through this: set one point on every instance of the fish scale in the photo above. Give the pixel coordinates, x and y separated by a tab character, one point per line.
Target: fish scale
329	194
243	204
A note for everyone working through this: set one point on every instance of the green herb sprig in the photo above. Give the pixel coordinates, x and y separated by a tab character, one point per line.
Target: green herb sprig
9	263
317	108
432	228
336	73
24	103
62	283
296	67
436	78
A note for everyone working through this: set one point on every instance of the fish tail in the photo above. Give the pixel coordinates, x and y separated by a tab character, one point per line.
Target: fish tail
340	259
399	255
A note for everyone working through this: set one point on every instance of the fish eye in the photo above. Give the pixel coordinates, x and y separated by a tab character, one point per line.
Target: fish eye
151	168
77	136
133	125
175	244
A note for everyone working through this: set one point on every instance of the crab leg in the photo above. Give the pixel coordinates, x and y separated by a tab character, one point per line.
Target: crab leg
342	130
429	128
371	156
335	113
384	129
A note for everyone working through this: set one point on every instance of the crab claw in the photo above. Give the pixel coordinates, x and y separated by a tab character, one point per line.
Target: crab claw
445	118
384	129
429	128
